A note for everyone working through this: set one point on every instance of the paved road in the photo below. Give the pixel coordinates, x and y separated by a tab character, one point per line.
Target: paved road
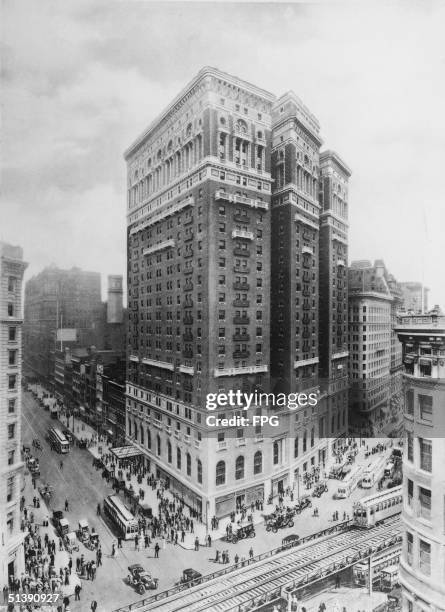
85	488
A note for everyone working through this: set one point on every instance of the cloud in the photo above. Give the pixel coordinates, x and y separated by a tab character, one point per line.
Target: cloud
82	79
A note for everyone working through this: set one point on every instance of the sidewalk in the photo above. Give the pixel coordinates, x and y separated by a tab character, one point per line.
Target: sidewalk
99	448
44	514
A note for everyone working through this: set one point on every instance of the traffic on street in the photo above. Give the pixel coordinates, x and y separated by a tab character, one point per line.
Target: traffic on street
112	532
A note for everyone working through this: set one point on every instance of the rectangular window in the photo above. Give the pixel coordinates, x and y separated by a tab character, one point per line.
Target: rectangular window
426	407
409	547
425	503
410	489
425	557
10	489
425	447
11	405
11	457
410	445
12	381
12	334
11	431
12	358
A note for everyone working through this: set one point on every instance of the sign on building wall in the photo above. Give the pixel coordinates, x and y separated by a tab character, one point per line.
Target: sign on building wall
67	334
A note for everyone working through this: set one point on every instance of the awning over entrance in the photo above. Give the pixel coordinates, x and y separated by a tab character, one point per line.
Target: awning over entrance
125	452
408	359
424	362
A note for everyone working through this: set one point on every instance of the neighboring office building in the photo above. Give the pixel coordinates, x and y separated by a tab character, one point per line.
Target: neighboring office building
422	567
415	297
12	267
374	357
88	384
61	306
199	231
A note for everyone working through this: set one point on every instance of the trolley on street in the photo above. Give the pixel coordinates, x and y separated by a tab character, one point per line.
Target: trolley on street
58	440
119	514
373	472
350	483
374	508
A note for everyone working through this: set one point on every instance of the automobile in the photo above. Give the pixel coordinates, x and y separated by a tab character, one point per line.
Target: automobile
247	531
190	577
93	542
145	510
83	531
57	517
70	542
63	527
290	540
303	502
319	489
280	521
336	471
140	579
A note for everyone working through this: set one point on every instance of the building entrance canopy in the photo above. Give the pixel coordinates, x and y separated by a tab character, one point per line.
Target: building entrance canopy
125	452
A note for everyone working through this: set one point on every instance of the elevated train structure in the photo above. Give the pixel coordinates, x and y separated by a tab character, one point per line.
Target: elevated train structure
294	569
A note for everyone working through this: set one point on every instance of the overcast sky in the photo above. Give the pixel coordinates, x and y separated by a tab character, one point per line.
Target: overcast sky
82	79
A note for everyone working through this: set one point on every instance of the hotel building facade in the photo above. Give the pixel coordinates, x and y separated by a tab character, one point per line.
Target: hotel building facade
12	267
422	567
207	183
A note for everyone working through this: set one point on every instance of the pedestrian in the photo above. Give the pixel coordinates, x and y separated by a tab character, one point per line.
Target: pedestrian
77	592
61	465
251	553
157	548
209	541
182	535
119	542
98	510
236	559
217	557
113	549
146	541
94	605
136	543
196	544
66	505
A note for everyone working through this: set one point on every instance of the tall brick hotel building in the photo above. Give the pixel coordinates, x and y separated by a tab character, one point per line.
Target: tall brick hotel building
237	279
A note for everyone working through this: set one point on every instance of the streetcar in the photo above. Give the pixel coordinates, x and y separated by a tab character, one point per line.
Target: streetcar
379	562
121	517
373	472
58	440
373	509
350	483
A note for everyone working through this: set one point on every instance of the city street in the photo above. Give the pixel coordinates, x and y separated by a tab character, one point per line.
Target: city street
84	488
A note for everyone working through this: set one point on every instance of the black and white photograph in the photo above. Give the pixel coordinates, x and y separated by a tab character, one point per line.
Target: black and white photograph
222	306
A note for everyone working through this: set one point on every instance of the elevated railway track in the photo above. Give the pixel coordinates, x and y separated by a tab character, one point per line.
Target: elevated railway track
252	586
